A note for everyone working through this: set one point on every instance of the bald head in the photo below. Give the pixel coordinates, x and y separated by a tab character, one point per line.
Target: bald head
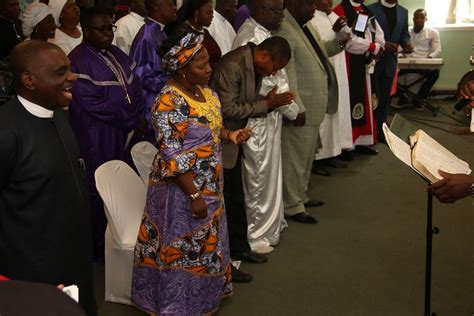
26	56
41	74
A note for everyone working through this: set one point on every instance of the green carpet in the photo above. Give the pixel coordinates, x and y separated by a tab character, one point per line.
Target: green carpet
366	256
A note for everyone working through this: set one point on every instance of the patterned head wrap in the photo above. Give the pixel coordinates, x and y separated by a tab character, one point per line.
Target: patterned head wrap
33	14
180	54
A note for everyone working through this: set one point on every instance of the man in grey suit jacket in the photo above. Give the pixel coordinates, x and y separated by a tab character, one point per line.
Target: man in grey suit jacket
237	79
393	19
313	78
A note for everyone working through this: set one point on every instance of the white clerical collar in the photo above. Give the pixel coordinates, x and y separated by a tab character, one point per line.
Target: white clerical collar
162	26
35	109
355	4
137	16
388	5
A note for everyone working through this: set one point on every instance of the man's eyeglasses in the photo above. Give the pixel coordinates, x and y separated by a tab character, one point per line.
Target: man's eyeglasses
104	28
274	11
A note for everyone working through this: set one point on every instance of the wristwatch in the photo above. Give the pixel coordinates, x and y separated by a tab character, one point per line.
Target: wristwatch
194	196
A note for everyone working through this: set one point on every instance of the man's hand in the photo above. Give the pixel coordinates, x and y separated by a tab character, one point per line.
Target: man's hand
240	136
408	49
339	24
391	47
452	187
199	208
467	91
275	99
300	120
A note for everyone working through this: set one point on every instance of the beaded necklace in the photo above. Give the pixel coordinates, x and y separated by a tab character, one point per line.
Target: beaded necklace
113	66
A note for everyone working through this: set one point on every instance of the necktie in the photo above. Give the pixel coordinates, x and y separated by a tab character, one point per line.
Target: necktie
319	52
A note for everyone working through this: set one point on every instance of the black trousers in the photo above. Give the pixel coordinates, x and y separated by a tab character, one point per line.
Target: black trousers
235	208
431	76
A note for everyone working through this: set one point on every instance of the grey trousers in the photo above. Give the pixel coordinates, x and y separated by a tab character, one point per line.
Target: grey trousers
298	147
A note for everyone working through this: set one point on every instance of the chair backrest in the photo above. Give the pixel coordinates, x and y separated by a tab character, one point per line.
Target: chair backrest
124	196
143	154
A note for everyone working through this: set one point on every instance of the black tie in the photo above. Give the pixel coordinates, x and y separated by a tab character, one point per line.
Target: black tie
319	51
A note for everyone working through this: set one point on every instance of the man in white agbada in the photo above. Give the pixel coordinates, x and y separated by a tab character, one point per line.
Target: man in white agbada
336	129
129	25
221	29
261	165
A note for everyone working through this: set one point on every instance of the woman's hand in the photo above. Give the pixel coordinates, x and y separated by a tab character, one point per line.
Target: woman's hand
240	136
198	208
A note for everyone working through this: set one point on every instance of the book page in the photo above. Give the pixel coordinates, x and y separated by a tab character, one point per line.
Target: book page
401	127
400	149
428	156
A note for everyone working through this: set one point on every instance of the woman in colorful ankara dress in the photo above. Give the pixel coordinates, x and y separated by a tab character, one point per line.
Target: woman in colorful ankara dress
182	263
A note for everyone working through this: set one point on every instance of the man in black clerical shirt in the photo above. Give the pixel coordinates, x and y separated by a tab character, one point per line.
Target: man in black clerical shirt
45	233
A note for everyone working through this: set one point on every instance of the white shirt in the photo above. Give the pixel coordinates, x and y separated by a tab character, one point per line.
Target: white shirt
64	41
127	28
222	32
35	109
425	44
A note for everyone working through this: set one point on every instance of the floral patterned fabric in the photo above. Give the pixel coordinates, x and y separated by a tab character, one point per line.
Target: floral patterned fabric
182	265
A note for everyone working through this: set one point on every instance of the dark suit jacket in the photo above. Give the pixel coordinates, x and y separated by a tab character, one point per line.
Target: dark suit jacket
234	80
45	233
400	35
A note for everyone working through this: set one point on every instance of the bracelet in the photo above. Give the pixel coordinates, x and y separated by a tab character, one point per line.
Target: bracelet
194	196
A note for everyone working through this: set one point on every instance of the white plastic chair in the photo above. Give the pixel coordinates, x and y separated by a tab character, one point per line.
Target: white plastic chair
124	196
143	154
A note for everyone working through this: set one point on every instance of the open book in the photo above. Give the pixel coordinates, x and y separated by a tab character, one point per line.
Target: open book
421	152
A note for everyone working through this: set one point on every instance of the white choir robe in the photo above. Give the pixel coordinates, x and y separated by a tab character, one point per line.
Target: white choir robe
222	32
127	28
261	165
358	46
336	129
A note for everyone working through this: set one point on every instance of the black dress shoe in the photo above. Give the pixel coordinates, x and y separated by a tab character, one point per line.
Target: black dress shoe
346	155
313	203
320	171
240	276
250	256
365	150
336	163
304	218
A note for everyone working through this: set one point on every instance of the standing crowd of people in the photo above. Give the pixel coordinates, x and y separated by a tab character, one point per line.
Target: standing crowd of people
243	102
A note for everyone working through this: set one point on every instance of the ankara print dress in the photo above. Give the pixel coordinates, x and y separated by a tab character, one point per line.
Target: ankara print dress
182	264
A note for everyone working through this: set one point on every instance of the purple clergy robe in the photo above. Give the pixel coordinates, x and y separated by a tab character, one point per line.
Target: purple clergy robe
149	66
102	117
